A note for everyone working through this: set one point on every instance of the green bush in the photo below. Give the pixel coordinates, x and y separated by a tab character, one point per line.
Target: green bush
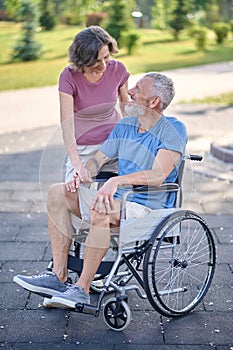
221	30
130	40
199	33
47	20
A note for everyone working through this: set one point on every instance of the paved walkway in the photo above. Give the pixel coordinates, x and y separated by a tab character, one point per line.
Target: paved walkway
31	158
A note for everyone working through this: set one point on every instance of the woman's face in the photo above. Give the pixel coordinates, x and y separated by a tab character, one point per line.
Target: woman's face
102	60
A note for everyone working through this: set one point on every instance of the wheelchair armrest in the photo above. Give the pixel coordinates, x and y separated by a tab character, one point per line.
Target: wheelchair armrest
104	176
166	187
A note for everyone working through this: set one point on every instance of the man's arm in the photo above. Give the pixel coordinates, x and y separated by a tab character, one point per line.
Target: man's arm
164	163
92	167
95	163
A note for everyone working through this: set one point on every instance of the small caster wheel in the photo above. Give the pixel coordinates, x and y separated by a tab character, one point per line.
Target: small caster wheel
117	314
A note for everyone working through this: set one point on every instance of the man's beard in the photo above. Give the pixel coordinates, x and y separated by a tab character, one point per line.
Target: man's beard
135	110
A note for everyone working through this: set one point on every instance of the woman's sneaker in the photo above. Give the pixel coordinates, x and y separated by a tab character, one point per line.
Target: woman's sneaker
69	299
46	283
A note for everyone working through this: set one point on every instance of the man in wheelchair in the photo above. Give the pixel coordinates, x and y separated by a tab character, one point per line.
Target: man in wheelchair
149	147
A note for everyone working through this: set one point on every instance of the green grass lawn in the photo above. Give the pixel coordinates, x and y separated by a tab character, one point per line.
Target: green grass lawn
157	52
225	99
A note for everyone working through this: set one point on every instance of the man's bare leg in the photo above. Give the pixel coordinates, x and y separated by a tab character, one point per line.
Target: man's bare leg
60	204
97	244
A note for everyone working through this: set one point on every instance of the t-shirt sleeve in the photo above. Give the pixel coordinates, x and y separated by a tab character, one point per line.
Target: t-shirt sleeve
66	82
122	73
174	137
110	147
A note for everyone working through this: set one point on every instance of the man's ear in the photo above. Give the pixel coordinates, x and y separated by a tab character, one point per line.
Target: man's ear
154	102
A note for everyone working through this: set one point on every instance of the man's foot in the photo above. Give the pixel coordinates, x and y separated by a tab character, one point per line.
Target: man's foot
47	303
46	283
72	296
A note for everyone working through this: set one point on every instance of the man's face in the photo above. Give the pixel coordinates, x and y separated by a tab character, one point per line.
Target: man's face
140	95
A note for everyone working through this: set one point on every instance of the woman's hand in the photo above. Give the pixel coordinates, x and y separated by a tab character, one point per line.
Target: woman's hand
81	175
72	185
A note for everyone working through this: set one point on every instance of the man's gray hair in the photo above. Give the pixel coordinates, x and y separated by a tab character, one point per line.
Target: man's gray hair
163	87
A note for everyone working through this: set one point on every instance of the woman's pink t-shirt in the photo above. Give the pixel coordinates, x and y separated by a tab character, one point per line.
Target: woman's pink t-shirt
95	114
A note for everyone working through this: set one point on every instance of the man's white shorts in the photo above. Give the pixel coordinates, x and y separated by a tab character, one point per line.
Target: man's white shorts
86	196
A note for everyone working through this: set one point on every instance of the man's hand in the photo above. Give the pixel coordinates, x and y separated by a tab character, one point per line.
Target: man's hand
104	202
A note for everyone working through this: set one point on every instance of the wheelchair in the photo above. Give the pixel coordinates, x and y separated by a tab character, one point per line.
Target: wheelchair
170	254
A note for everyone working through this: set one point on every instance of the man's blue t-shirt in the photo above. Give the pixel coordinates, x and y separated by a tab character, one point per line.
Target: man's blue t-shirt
136	152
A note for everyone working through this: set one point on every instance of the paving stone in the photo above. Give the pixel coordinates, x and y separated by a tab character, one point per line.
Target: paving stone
9	233
219	298
15	218
22	251
79	325
200	328
219	221
11	268
35	326
16	206
62	346
12	296
222	274
163	347
224	235
224	254
33	234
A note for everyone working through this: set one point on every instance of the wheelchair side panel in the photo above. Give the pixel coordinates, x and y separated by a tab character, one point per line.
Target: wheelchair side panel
139	229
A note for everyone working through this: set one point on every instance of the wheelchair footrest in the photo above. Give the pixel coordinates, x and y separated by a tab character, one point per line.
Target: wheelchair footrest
87	309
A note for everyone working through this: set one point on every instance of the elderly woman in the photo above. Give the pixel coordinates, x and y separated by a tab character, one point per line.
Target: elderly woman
89	89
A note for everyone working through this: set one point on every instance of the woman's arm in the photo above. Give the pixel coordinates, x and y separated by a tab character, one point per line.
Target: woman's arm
67	125
123	97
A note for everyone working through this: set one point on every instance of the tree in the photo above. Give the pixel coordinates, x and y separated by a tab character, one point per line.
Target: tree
118	18
27	48
12	8
47	17
179	19
160	16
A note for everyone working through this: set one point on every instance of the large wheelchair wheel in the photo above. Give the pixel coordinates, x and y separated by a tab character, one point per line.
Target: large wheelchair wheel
179	264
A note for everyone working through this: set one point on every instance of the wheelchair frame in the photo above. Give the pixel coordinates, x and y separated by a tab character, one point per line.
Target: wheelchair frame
173	262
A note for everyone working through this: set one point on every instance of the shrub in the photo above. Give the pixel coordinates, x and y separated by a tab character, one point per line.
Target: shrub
221	30
130	40
199	33
47	20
